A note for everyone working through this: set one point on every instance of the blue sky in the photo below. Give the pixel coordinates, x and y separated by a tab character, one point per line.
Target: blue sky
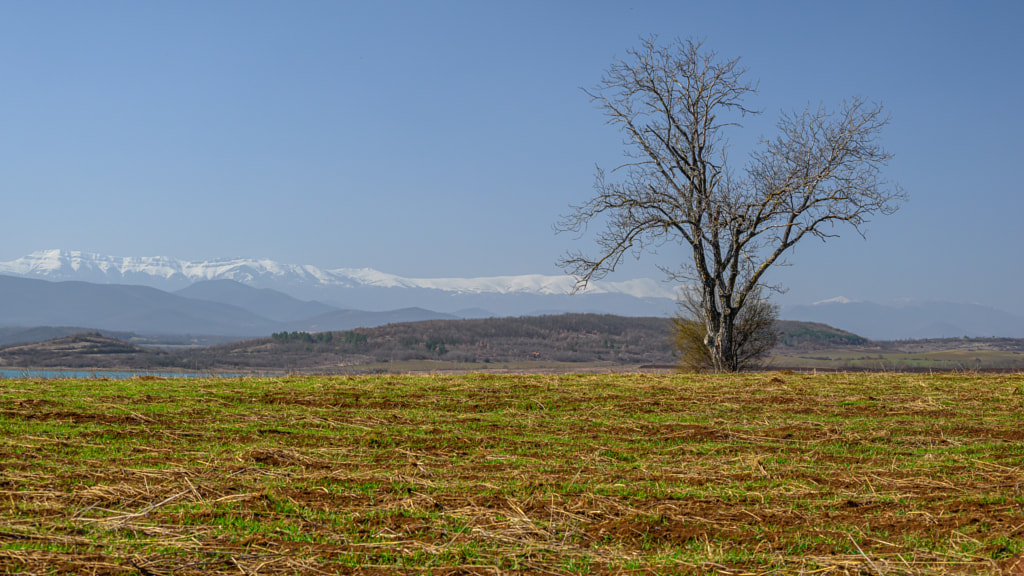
445	138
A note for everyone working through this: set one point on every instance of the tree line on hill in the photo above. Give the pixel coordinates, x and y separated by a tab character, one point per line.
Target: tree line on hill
557	338
565	338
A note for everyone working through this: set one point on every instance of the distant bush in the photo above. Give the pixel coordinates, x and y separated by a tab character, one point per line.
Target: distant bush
353	338
436	346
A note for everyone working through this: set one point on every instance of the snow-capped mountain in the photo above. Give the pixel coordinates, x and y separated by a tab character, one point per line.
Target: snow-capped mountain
352	287
157	271
162	272
836	300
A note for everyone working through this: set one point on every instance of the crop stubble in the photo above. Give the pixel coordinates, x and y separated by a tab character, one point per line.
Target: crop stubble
483	474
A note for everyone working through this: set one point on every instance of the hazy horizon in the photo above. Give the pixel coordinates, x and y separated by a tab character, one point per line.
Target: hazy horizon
444	139
548	284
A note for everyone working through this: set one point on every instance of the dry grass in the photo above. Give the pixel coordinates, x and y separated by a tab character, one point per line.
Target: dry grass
482	474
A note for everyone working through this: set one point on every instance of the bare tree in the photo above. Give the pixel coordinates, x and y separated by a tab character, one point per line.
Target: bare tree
674	104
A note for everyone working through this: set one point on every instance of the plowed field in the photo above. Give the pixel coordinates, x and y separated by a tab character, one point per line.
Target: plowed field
774	473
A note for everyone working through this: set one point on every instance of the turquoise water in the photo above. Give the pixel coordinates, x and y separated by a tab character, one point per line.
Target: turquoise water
94	374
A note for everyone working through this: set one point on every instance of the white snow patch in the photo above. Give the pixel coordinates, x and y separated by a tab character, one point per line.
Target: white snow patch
836	300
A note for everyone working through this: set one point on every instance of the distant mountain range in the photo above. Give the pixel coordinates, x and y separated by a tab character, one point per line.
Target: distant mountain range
170	273
910	319
269	304
247	298
223	308
357	288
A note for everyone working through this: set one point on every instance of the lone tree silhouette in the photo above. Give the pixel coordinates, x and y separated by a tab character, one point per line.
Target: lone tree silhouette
675	103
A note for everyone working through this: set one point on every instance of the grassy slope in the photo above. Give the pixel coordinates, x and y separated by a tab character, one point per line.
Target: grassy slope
872	474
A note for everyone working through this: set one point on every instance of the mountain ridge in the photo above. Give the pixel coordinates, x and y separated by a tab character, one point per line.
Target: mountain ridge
910	319
268	303
164	272
284	295
28	302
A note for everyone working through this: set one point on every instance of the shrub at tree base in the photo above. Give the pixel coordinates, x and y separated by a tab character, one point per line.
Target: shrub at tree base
756	334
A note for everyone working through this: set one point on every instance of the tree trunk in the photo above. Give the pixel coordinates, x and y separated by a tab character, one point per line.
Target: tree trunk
723	352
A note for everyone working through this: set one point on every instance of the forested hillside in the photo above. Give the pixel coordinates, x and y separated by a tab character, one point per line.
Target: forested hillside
528	341
561	338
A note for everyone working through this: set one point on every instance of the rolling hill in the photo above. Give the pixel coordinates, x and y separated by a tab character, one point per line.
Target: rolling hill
541	342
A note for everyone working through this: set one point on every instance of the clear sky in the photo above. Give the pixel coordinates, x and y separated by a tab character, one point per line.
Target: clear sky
445	138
